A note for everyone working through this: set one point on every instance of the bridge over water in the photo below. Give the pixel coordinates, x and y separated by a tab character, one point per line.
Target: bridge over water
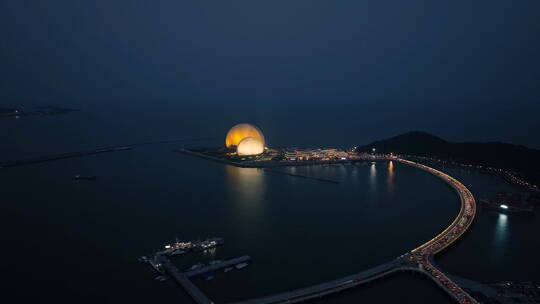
419	259
334	286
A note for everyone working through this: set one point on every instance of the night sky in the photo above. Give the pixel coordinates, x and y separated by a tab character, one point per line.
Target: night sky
463	70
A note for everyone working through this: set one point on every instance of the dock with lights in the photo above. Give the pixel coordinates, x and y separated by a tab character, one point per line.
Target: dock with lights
196	294
180	247
217	266
163	265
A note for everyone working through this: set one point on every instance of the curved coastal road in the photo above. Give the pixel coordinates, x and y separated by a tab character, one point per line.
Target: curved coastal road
418	259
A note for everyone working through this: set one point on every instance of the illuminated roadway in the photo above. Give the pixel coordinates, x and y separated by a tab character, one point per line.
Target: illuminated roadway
418	259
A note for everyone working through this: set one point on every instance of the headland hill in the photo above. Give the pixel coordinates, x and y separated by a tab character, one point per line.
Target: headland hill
515	163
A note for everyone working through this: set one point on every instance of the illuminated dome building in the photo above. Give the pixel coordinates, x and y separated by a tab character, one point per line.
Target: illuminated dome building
250	146
247	138
241	131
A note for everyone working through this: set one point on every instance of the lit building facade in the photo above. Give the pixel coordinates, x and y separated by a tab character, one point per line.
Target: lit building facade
247	139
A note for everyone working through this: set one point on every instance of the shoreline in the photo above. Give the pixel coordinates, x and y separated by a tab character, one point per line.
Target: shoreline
493	172
266	164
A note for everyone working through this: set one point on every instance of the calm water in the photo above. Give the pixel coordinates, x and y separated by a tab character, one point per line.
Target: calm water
79	241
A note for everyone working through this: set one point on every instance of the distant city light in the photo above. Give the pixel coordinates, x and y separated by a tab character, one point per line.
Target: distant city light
504	206
373	149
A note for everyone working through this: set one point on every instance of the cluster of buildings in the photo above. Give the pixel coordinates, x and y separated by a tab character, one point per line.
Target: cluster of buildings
506	174
248	140
291	154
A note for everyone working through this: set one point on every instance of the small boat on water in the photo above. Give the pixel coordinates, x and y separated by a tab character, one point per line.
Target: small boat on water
241	265
161	278
84	177
196	266
177	252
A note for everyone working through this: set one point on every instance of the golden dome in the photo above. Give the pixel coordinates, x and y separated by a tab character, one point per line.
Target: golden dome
250	146
241	131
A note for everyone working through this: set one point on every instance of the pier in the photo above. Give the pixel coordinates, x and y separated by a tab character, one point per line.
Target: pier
163	265
42	159
217	266
60	156
196	294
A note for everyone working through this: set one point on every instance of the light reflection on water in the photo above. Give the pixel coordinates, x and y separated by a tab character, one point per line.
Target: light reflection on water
501	230
372	184
247	188
390	177
210	252
372	175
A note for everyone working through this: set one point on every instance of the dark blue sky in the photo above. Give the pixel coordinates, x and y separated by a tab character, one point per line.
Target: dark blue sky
464	70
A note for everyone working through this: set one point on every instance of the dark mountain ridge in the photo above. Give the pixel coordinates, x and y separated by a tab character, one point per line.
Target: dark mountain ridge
517	158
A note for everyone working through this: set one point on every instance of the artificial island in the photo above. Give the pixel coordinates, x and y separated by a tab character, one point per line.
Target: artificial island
245	146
